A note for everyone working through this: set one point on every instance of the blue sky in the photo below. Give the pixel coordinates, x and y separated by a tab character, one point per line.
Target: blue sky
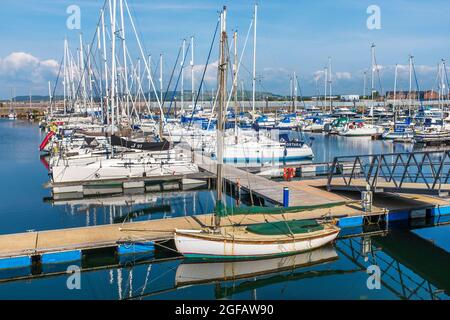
293	36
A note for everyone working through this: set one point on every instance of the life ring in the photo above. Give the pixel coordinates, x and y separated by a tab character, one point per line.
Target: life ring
288	173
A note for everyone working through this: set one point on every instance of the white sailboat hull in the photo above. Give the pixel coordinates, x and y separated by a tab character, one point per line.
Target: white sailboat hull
397	135
313	127
191	246
361	132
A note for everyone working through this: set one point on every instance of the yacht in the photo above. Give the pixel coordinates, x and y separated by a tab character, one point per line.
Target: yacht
360	129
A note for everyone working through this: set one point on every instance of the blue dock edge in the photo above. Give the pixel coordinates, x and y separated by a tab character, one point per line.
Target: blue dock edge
440	211
351	222
61	257
398	215
135	247
15	262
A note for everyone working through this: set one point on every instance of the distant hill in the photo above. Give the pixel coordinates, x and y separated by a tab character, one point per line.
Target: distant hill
168	96
34	98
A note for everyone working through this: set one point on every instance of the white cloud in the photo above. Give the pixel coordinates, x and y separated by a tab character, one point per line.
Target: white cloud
343	75
26	72
318	74
210	75
339	75
404	68
277	72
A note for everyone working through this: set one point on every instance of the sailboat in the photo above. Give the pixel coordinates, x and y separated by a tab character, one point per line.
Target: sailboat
12	114
433	129
362	129
254	241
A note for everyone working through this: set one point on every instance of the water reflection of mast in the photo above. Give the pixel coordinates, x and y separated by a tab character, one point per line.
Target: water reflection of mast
119	282
184	205
94	221
130	280
254	297
194	200
149	268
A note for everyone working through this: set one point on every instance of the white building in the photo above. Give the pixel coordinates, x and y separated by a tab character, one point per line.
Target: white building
350	97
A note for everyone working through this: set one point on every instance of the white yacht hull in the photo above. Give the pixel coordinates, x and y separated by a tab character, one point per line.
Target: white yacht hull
397	135
365	131
116	169
254	153
190	245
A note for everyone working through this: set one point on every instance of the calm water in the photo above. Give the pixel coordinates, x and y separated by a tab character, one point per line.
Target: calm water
337	272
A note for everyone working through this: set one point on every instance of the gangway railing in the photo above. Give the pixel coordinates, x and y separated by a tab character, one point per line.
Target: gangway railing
407	172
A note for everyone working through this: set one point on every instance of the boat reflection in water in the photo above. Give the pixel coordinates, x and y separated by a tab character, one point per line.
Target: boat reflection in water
190	273
118	208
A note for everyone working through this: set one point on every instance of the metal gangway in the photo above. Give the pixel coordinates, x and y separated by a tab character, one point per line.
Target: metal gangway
419	172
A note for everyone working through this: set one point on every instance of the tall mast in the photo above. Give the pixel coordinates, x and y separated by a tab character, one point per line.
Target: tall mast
65	75
161	80
113	65
325	73
439	77
138	88
182	77
50	98
99	52
295	92
161	117
329	81
254	61
446	83
71	76
443	92
149	82
291	88
192	74
395	92
125	68
365	84
373	80
242	93
220	121
235	86
105	67
410	84
83	77
202	91
89	70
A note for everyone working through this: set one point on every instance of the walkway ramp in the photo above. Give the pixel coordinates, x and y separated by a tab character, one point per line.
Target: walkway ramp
299	195
419	172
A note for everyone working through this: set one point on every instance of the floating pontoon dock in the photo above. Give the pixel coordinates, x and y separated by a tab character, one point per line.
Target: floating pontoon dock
68	244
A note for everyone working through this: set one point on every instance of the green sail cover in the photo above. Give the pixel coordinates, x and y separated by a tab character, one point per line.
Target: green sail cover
273	210
285	227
